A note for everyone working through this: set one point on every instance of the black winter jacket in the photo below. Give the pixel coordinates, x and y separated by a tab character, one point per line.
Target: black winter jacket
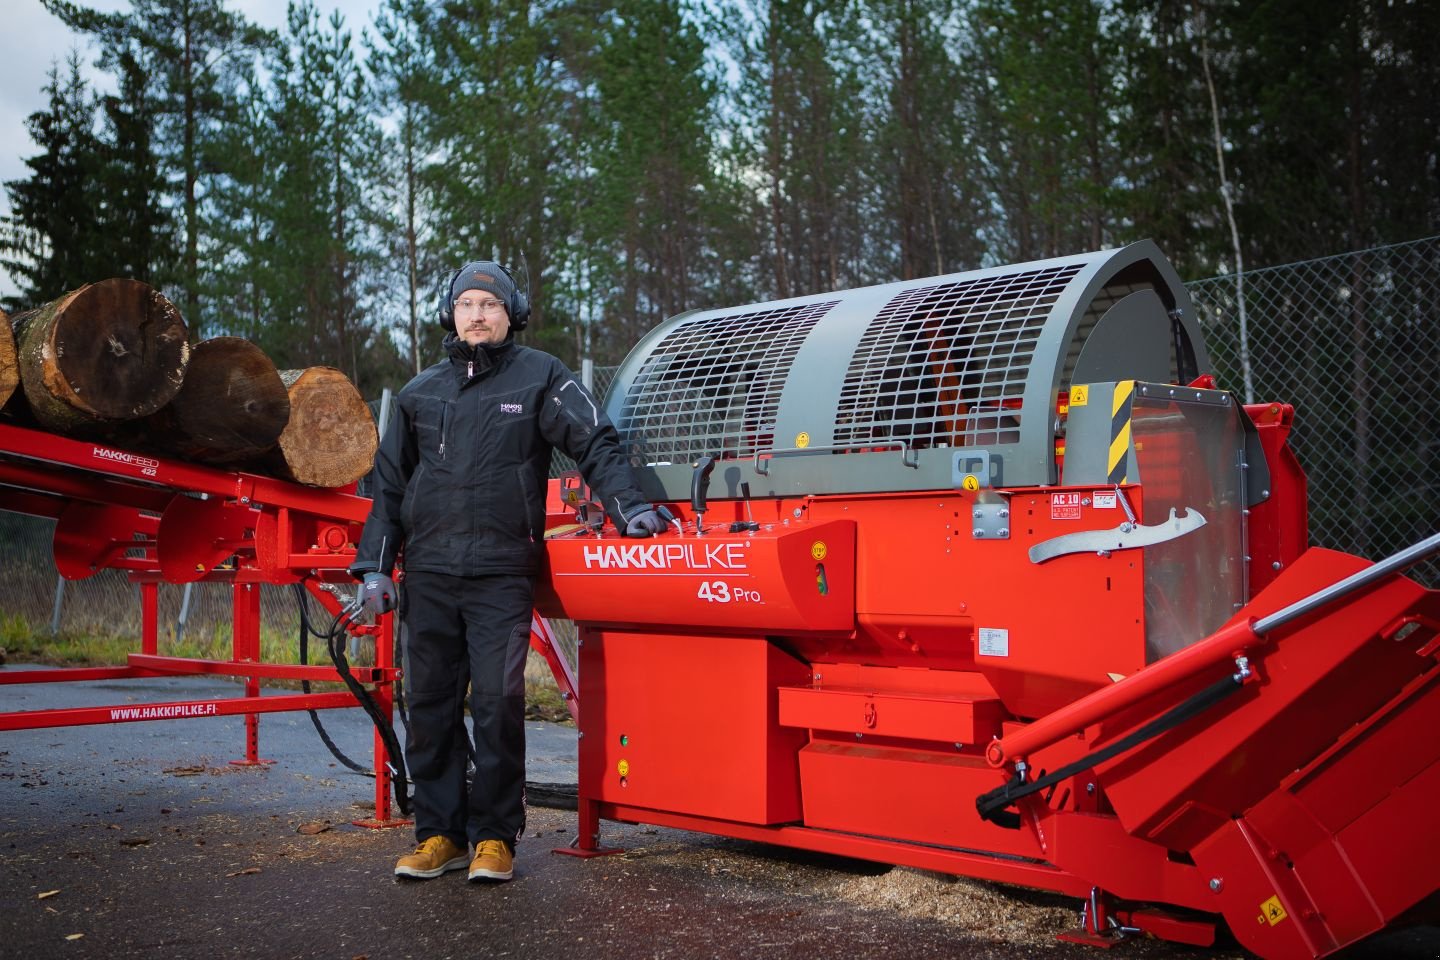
461	473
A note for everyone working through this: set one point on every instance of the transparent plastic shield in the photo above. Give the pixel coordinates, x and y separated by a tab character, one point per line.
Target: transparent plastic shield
1190	457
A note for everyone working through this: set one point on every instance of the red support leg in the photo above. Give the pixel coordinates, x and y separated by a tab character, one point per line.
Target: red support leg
587	839
385	699
150	617
245	642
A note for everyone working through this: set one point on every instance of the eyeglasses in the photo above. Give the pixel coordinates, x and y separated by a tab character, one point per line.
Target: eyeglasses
466	305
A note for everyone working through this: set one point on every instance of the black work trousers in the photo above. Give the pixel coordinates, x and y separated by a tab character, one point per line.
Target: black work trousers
475	631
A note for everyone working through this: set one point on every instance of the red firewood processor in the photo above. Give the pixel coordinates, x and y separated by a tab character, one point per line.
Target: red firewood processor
983	574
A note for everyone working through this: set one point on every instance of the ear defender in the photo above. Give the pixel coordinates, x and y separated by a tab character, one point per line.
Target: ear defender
519	303
447	309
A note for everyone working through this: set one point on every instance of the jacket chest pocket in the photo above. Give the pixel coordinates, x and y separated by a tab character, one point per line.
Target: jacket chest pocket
433	425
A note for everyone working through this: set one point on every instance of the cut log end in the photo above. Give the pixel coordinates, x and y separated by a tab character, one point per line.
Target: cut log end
113	350
330	440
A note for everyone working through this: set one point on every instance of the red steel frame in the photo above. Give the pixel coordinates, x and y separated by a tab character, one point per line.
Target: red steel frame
167	521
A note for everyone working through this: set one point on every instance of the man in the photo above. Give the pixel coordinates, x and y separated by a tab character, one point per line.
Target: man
460	484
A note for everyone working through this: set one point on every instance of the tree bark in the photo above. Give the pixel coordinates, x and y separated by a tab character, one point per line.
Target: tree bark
110	351
330	439
9	362
232	407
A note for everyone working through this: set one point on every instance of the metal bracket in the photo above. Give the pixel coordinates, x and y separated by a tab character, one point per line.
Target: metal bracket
990	519
1127	536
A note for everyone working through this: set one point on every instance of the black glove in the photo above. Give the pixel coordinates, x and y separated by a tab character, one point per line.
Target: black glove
645	523
376	594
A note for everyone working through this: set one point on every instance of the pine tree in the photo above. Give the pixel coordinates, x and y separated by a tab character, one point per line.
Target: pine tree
644	244
401	61
931	194
801	132
1045	124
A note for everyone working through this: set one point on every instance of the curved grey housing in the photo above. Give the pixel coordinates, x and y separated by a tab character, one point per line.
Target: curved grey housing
903	386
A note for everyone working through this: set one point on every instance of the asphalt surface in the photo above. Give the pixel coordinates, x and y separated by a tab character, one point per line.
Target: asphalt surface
142	840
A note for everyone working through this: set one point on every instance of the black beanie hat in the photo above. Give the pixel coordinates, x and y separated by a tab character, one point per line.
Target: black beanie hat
484	275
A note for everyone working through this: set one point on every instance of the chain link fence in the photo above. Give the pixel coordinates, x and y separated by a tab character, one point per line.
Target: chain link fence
1353	341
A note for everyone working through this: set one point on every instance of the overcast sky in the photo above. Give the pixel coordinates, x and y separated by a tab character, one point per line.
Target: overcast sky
32	39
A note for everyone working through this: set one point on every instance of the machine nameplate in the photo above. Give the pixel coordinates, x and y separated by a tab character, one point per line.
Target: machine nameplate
1064	506
994	642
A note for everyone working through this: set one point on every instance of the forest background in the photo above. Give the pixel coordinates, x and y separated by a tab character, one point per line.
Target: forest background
310	188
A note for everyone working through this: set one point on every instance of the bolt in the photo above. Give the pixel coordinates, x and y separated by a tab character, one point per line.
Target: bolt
1004	513
959	746
1275	565
859	736
1003	532
978	514
799	513
1090	788
580	735
979	534
1216	884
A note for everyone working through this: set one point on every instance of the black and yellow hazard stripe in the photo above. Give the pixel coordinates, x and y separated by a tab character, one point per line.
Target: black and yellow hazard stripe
1121	402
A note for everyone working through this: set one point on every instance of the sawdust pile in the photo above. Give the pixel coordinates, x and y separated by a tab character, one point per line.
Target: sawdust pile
987	912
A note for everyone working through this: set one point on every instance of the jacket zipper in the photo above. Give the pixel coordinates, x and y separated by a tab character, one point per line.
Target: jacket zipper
444	418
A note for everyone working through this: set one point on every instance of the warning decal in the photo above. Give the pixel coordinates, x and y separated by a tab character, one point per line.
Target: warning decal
1272	912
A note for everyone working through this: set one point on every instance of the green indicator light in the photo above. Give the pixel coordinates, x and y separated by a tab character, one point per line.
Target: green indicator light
624	740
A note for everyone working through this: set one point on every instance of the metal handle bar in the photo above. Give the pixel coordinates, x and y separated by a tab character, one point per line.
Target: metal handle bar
1395	562
762	466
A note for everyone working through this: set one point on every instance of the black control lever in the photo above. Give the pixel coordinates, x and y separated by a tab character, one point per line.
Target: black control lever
699	490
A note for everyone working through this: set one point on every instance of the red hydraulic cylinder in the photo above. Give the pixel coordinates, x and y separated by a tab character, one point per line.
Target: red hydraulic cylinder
1224	644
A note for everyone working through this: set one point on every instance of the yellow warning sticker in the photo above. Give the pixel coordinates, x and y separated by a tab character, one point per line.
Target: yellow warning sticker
818	550
1079	396
623	768
1272	912
971	482
802	440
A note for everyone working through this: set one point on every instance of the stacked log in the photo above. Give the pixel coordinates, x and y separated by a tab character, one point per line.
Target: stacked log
232	407
111	361
108	352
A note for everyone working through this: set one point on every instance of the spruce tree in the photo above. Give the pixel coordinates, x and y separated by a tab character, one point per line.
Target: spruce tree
190	51
54	237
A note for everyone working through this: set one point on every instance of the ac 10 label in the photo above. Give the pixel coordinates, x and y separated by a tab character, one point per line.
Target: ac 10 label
718	591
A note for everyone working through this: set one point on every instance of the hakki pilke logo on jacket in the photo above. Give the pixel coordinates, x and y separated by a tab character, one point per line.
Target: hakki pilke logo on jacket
512	408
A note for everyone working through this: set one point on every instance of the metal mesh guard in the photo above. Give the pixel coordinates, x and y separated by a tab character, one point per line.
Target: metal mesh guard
712	385
946	365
